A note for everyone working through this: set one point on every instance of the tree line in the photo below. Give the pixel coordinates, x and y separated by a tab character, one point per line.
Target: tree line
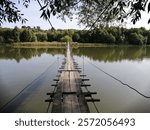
103	35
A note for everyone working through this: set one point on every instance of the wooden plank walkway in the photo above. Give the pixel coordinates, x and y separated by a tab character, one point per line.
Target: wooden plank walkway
69	97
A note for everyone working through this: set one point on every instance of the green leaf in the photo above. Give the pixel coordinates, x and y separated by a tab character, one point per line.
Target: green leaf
115	11
48	13
54	12
148	7
148	21
134	21
119	18
112	2
43	7
43	13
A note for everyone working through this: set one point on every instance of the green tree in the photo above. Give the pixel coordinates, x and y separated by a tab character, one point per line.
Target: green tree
16	34
66	39
7	35
148	39
41	37
1	39
26	36
136	39
34	38
120	40
52	36
76	37
110	38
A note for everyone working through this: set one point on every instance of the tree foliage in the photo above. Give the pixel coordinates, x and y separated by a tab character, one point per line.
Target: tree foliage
15	34
136	39
41	37
1	40
66	38
91	13
10	12
26	35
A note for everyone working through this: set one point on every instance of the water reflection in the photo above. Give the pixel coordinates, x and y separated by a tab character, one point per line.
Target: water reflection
30	68
128	64
112	54
27	53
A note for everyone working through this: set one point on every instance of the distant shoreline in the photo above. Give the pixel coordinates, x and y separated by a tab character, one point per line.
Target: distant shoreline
63	45
39	44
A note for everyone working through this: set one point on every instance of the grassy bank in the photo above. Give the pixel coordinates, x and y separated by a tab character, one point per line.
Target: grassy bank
39	44
55	44
76	45
60	45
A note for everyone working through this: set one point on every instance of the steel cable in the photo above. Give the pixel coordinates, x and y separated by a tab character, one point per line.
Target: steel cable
3	107
125	84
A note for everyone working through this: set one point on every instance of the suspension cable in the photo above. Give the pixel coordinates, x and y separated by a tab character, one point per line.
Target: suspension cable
84	76
26	87
54	90
125	84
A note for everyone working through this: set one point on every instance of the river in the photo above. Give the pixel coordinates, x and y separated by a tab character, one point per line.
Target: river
119	75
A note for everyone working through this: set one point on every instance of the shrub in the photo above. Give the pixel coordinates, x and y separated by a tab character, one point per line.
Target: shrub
1	39
41	37
66	39
26	36
136	39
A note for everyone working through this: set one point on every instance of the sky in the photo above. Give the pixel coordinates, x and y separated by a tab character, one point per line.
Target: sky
32	13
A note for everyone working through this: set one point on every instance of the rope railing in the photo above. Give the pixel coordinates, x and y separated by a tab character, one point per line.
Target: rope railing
115	78
83	72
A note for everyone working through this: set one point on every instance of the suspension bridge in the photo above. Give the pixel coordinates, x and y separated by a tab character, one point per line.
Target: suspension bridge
68	96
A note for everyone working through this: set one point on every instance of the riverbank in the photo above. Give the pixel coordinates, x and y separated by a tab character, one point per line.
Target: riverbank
63	45
39	45
57	44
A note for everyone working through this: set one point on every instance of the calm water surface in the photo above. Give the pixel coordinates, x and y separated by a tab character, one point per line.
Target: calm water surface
35	69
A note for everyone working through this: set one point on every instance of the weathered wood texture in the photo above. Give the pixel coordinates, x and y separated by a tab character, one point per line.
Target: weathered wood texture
68	97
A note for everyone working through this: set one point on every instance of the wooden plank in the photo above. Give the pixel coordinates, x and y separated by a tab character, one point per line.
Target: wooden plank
83	75
57	102
67	93
54	85
83	104
85	85
66	104
49	100
93	100
85	79
75	104
70	104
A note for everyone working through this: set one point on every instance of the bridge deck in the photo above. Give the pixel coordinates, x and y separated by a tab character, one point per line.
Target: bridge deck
69	96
